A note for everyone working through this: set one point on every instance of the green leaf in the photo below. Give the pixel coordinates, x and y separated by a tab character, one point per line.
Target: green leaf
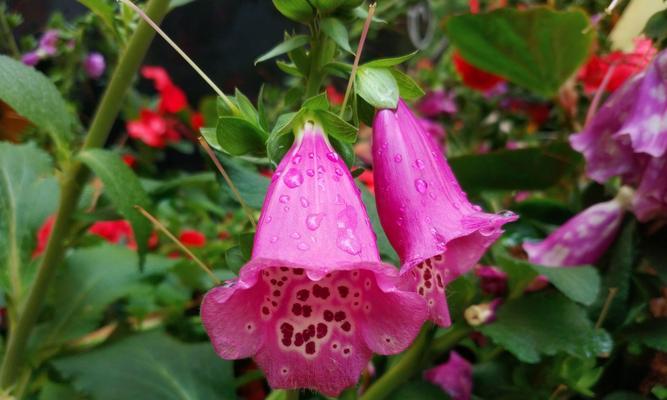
247	109
35	97
377	86
407	87
28	195
57	391
249	182
651	333
335	29
524	169
545	323
284	47
90	280
290	69
150	366
237	136
337	127
385	248
296	10
317	102
211	136
537	48
390	62
124	190
656	28
103	10
418	390
234	259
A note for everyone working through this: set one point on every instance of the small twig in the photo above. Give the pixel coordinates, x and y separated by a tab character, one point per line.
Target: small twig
173	238
236	192
559	389
357	57
187	59
605	308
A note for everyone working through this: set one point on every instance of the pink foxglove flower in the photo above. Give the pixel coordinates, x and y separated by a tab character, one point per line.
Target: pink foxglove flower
315	301
437	102
454	377
585	237
428	219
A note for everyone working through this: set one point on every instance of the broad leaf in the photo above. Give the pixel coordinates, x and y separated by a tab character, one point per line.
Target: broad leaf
35	97
524	169
237	136
377	86
284	47
250	184
102	9
150	366
124	190
337	127
385	248
28	195
390	62
335	29
297	10
407	87
651	333
536	48
545	324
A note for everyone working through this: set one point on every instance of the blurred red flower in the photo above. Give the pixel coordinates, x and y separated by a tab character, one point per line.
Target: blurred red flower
192	238
153	129
335	97
367	179
43	234
119	232
129	160
474	77
172	98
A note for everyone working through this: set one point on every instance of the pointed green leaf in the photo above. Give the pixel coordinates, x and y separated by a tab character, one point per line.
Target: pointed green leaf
377	86
335	29
238	137
296	10
407	87
284	47
335	126
390	62
317	102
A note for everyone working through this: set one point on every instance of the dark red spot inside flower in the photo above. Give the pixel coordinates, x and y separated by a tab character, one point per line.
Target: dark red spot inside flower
356	294
427	275
310	348
328	315
284	279
440	281
280	283
356	303
306	335
303	294
387	340
273	281
286	341
296	309
298	271
346	351
339	316
274	303
276	293
321	292
321	330
328	275
438	257
265	310
421	291
343	291
286	327
428	284
346	326
420	265
298	340
307	310
284	269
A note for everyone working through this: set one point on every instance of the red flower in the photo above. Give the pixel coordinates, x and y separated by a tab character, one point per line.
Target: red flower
625	65
335	97
129	160
118	232
196	120
153	129
43	234
172	98
474	77
366	178
192	238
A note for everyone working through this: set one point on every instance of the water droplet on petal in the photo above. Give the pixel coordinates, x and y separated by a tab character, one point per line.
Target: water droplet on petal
284	199
476	207
310	172
432	195
421	185
295	235
296	160
304	202
488	230
332	156
313	221
419	164
339	172
320	169
506	214
274	239
311	155
293	178
398	158
302	246
268	219
348	242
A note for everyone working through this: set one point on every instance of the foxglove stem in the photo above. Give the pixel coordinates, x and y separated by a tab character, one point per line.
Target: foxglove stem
71	186
404	369
6	34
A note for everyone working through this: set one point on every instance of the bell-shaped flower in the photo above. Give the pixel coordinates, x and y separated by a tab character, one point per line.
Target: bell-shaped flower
454	377
315	300
585	237
436	231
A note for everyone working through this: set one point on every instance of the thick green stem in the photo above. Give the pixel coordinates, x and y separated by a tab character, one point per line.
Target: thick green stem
71	186
321	53
6	34
404	369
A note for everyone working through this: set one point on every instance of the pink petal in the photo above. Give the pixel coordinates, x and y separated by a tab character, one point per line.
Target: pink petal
422	208
650	200
454	377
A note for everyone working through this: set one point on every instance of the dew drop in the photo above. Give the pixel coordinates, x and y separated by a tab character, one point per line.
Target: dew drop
398	158
296	160
339	172
488	231
295	235
348	243
304	202
268	219
332	156
320	169
421	185
274	239
293	178
313	221
286	208
284	199
476	207
310	172
311	155
419	164
303	246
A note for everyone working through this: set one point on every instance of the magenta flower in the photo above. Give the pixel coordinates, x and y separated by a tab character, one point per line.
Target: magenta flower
585	237
492	280
94	65
650	200
454	377
436	103
434	129
315	301
30	58
428	219
48	42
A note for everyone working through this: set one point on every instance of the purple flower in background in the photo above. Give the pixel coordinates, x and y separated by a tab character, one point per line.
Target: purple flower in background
492	280
48	42
94	65
30	58
585	237
436	103
315	300
650	200
436	231
434	128
454	377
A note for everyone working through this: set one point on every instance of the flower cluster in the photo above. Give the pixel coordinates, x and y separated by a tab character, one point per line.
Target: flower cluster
315	300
